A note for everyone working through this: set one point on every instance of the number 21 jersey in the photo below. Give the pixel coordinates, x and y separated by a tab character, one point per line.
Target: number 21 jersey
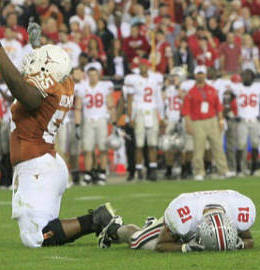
186	211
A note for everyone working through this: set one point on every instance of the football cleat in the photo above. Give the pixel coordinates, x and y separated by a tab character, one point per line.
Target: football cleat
130	177
108	234
102	216
140	175
149	221
101	179
88	179
153	174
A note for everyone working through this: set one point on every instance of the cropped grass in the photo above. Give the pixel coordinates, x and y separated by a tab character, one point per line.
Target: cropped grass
133	201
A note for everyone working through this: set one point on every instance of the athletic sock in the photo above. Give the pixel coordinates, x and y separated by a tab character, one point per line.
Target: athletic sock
86	224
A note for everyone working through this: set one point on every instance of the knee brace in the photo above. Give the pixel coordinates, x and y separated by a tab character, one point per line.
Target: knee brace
53	234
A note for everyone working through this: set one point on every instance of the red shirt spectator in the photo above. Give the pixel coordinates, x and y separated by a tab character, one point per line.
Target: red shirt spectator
135	45
46	10
230	55
50	29
253	5
193	103
163	50
21	33
256	38
193	40
205	54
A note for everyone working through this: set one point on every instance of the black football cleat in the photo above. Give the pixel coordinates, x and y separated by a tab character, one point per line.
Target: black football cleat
153	175
140	175
102	216
109	233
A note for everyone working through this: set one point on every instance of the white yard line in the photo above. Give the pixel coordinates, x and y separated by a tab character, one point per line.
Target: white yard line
61	258
89	198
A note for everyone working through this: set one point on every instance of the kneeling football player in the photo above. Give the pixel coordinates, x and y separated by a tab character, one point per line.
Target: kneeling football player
44	94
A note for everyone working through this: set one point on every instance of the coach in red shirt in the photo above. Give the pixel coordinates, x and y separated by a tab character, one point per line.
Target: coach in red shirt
204	121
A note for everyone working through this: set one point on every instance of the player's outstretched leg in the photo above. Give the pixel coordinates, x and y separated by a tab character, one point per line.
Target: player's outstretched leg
59	232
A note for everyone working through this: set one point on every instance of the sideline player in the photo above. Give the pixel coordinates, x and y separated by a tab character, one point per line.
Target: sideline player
207	220
248	102
68	140
98	106
44	94
145	106
5	164
173	104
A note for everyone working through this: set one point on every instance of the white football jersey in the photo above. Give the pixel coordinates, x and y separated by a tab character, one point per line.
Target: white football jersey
173	103
248	100
73	50
94	99
186	211
147	94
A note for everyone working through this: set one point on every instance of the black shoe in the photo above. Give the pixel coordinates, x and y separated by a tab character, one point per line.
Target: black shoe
140	175
168	175
130	177
102	216
88	178
75	177
101	179
109	233
153	175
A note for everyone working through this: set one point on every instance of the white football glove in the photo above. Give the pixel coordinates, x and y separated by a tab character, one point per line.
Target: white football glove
240	243
193	245
34	30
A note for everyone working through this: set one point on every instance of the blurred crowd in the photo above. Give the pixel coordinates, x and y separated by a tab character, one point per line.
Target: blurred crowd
115	37
113	33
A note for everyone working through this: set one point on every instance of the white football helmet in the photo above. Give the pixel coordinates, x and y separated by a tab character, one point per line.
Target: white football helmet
164	143
217	232
50	60
180	72
114	141
177	141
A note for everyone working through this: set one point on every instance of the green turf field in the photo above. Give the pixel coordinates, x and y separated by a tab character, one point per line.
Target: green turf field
134	202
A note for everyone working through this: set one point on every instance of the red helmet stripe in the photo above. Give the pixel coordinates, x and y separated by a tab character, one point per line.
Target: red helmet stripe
220	232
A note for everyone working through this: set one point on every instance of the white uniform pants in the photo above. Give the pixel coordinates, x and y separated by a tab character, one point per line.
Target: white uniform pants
41	184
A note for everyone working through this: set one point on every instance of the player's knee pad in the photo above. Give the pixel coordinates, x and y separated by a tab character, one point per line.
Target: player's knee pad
54	234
